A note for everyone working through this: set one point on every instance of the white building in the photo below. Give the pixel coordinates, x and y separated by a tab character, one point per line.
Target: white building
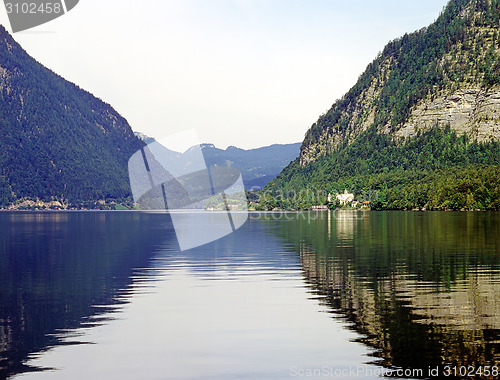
345	197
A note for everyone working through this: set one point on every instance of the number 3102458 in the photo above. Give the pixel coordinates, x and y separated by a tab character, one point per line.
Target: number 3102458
32	8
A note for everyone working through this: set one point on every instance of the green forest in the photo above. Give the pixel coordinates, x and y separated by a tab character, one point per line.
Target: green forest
436	170
57	141
353	146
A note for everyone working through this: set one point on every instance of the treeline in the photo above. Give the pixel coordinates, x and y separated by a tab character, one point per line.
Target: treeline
436	170
475	187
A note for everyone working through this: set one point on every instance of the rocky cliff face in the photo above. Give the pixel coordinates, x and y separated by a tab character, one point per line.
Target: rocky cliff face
446	74
474	111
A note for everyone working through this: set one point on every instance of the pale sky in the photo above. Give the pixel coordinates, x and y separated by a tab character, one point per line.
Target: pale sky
247	73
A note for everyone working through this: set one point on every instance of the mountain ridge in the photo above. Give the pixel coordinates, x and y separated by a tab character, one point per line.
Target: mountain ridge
258	166
421	79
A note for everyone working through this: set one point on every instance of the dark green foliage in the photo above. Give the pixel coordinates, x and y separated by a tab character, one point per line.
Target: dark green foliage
436	170
6	196
56	140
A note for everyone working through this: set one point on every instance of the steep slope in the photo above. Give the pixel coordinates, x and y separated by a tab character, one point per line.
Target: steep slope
57	141
420	128
447	73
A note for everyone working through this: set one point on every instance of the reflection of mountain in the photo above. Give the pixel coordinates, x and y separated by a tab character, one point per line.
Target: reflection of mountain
424	289
55	268
465	305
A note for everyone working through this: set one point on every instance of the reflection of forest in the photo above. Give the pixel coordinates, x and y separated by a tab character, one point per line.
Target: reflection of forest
422	288
56	267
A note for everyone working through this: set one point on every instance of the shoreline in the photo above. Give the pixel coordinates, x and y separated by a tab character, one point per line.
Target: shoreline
4	210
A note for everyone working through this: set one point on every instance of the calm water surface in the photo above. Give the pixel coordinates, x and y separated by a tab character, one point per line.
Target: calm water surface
293	295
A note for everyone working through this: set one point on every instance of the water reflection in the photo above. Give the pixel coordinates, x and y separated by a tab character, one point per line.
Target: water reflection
58	270
345	222
422	288
238	307
414	290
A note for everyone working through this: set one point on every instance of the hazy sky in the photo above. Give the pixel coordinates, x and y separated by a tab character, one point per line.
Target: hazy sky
241	72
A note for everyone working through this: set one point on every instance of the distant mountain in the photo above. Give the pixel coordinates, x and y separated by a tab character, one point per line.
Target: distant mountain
257	166
420	128
57	141
141	136
60	146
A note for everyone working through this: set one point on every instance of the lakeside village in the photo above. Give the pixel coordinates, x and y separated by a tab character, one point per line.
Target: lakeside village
251	201
62	204
308	200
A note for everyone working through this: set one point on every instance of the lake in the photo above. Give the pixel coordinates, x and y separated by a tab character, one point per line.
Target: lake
343	294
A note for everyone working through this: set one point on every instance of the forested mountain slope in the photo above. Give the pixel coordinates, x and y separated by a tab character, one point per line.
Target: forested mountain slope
443	77
57	141
447	73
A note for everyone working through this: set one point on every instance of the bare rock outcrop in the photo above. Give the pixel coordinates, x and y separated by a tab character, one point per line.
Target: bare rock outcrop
473	111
